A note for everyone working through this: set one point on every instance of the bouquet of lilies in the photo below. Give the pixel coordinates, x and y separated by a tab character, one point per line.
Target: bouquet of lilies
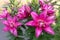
29	22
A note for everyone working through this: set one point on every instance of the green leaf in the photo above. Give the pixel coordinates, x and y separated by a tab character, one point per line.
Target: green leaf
15	3
12	1
35	6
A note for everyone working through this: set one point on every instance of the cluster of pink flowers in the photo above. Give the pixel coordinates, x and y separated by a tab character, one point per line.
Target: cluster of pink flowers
12	22
40	22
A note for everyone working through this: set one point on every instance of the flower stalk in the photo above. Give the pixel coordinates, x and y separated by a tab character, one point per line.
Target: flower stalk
24	33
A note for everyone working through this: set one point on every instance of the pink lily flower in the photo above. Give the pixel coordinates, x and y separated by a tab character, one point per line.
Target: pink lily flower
48	7
11	25
41	22
4	14
23	12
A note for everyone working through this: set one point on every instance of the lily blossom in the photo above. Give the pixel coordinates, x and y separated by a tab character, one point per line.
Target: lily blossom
11	25
4	14
23	12
48	7
41	22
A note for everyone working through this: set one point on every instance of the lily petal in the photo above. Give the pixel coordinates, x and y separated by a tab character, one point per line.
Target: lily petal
5	29
43	15
1	17
5	22
51	11
13	31
38	32
49	30
51	17
9	18
50	20
27	7
34	15
17	24
22	9
30	23
41	2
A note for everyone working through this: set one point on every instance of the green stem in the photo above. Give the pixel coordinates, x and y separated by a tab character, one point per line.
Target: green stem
24	33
